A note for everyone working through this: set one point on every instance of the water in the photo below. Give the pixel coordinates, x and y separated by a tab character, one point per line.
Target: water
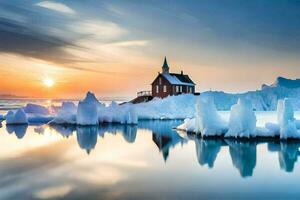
147	161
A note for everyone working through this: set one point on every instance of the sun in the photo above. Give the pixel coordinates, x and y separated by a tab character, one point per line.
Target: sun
48	82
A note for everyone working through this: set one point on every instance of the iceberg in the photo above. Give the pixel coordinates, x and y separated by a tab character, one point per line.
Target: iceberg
35	109
264	99
130	116
242	121
87	111
17	117
207	121
286	120
66	114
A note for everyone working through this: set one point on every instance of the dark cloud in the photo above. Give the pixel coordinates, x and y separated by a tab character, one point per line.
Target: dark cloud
16	38
23	32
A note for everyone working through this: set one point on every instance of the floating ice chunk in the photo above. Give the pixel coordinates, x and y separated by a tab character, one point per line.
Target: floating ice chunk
188	125
66	114
108	114
273	127
87	112
36	109
207	121
131	116
242	120
39	119
17	117
286	120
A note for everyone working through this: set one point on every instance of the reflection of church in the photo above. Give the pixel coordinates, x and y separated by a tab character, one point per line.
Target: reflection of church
166	141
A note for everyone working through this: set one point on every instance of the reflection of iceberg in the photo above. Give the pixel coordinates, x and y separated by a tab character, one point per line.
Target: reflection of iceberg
163	134
273	146
288	156
87	137
39	130
288	152
129	133
207	150
161	127
243	155
64	130
19	130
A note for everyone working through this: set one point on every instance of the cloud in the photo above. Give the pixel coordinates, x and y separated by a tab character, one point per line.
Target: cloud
59	7
28	42
98	29
130	43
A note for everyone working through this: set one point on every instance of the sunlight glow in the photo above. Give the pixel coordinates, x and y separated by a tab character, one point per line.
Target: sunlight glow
48	82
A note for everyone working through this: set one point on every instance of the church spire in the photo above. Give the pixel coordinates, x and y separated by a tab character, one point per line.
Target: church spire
165	67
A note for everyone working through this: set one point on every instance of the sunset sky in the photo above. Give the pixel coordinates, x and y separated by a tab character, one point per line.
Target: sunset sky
115	48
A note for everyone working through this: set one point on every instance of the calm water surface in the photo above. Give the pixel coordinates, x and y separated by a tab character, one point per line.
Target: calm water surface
148	161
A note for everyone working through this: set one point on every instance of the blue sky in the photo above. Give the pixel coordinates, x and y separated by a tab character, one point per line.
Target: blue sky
226	45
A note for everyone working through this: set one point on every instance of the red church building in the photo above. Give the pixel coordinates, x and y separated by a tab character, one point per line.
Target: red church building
167	83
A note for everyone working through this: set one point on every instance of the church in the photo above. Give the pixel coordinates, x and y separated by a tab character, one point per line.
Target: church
167	83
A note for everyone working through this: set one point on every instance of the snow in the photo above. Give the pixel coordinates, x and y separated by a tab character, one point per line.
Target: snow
242	121
174	80
87	111
171	107
17	117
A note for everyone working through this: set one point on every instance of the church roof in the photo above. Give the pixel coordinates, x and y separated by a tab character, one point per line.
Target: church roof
178	79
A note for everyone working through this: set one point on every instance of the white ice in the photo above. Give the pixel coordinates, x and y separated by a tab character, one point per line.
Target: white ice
207	121
242	121
16	117
36	109
286	120
66	114
87	111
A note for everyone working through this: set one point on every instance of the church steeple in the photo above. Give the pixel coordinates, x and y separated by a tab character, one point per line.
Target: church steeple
165	67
